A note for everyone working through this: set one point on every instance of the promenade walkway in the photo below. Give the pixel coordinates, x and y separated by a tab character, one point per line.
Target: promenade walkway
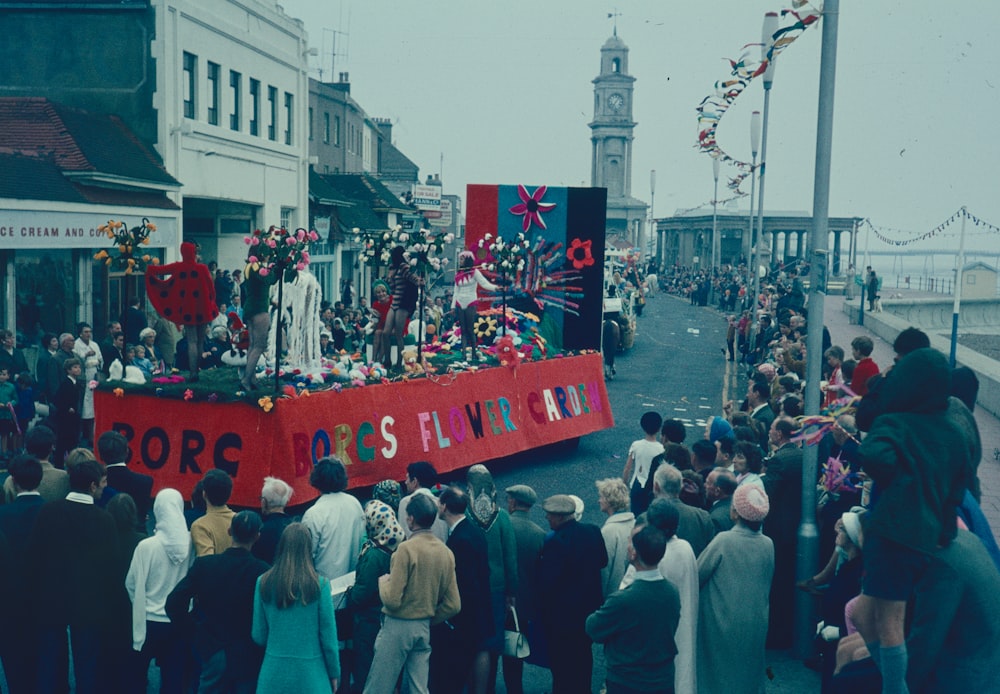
842	331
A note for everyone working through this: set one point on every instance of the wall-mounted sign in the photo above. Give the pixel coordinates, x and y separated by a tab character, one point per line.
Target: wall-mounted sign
60	230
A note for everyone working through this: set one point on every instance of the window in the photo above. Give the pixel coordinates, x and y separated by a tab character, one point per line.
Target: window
190	86
286	217
326	127
254	107
272	104
236	82
336	131
310	123
289	114
213	94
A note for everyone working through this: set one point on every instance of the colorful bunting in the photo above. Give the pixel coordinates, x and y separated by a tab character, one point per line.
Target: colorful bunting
882	233
742	71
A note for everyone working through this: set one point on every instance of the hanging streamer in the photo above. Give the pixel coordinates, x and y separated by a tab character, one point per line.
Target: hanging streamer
743	70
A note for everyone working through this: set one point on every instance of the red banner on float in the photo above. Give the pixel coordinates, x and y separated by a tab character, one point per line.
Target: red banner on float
376	430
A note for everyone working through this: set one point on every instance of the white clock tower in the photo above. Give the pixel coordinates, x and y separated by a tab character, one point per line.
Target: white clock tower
611	138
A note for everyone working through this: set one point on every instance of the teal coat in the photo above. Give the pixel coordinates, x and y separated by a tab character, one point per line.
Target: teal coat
300	644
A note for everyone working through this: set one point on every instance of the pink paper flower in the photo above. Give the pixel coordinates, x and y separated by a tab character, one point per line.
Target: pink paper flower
531	207
188	394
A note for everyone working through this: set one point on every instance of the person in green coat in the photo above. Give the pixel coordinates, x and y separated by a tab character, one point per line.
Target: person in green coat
384	536
502	551
293	621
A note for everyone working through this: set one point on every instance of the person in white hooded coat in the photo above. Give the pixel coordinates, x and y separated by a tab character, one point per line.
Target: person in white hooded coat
158	565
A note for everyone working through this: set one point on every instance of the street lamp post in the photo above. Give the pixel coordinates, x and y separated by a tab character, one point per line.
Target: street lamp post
767	44
715	214
652	217
754	148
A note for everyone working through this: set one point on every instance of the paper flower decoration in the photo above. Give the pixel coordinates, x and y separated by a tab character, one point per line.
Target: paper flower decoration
531	207
277	248
580	254
265	403
126	244
188	394
485	326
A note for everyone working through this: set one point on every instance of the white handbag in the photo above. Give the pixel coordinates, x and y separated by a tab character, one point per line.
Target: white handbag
515	643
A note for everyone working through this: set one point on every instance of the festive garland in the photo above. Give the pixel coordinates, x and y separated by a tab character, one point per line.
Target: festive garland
742	71
127	242
959	214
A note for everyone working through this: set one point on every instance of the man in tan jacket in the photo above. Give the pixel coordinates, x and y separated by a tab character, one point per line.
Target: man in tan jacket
419	590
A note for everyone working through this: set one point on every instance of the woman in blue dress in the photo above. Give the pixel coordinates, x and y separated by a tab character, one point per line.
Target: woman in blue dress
293	620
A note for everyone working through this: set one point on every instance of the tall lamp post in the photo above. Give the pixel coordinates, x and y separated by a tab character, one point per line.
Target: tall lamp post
767	43
715	216
754	148
652	216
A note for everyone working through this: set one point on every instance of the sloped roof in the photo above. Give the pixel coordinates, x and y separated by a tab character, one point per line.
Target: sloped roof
77	141
323	193
366	187
370	200
396	165
35	178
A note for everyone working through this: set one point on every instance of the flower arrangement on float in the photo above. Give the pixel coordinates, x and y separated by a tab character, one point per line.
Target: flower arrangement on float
278	249
126	244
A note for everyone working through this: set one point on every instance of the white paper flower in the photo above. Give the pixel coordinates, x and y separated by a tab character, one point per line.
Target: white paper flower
404	236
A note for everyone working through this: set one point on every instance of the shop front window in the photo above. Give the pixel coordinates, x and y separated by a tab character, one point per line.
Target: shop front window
47	298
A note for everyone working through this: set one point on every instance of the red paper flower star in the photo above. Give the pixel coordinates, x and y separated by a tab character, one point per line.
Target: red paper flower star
532	207
580	253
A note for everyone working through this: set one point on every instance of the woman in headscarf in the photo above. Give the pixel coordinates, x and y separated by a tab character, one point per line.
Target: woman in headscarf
158	565
387	491
384	536
502	550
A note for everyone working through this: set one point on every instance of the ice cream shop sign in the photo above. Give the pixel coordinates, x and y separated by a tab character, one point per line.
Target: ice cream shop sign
59	230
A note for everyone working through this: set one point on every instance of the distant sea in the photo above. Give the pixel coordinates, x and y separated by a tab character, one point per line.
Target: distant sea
895	267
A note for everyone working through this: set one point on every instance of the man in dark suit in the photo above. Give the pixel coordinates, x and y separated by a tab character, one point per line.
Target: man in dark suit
112	350
56	364
457	642
274	496
222	587
783	484
759	405
568	590
112	449
16	522
74	538
529	538
67	402
133	321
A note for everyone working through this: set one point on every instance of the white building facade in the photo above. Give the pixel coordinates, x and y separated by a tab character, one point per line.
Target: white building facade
232	98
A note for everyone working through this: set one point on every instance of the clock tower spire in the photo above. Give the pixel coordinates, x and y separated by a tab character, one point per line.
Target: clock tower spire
611	140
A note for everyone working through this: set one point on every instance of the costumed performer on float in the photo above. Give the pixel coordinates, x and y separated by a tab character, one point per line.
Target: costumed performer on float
404	284
184	293
379	312
257	318
467	279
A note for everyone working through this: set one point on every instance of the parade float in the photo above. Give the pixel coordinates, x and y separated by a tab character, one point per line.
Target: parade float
536	379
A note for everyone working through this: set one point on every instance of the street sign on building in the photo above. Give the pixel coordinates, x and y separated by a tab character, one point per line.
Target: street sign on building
445	218
427	197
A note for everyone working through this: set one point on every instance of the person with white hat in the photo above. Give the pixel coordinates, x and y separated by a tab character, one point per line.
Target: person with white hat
735	572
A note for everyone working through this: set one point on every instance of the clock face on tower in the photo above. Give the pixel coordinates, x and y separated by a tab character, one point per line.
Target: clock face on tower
615	102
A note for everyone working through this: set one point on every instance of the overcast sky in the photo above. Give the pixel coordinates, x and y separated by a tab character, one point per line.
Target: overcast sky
503	91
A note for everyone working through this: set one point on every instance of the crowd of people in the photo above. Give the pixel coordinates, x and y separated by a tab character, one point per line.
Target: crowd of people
689	580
